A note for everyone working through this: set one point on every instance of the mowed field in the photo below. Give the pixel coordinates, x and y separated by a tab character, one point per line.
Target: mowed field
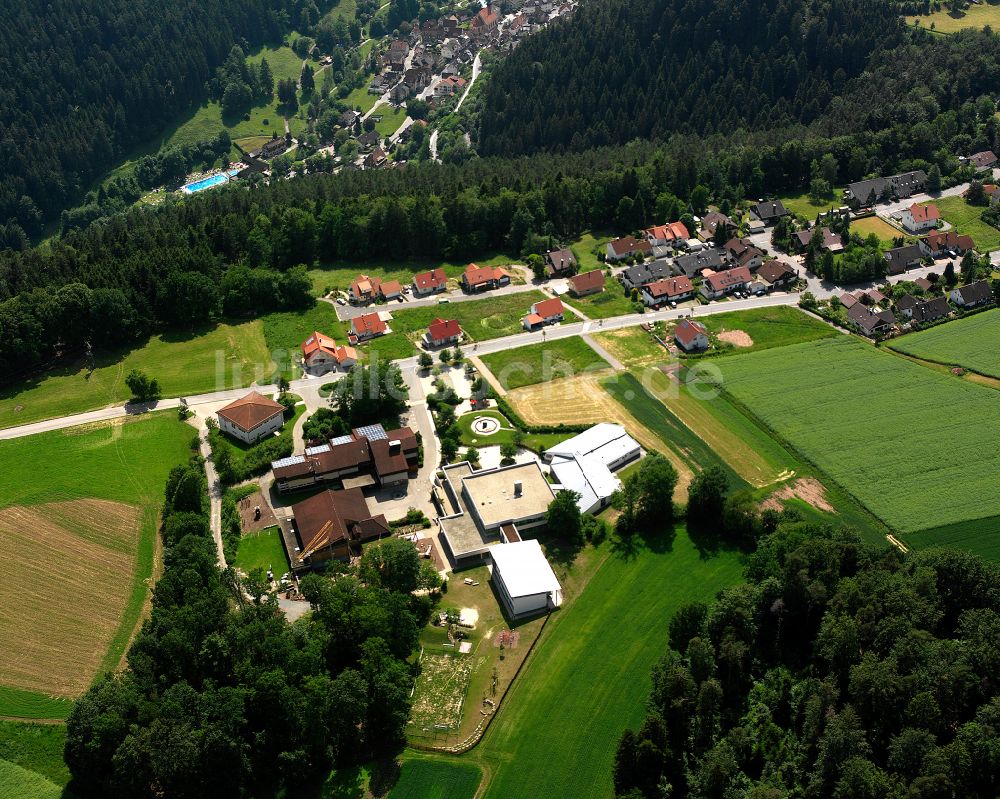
225	356
539	363
588	679
917	447
425	778
78	517
970	343
770	327
873	224
978	16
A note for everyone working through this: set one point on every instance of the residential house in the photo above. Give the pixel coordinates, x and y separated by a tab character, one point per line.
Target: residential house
399	49
672	289
693	264
872	296
523	578
924	284
709	223
425	283
669	235
972	295
639	275
251	417
320	353
828	240
906	304
484	278
983	161
743	253
368	326
484	24
333	525
417	78
775	274
691	336
586	283
560	263
390	290
442	332
368	139
586	464
349	118
901	259
875	190
938	244
920	218
432	31
626	247
376	159
768	211
364	290
719	284
449	85
870	324
399	93
848	300
544	312
922	312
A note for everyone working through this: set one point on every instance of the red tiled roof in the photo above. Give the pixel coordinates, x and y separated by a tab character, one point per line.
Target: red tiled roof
669	287
937	240
436	278
587	280
628	245
848	300
547	308
251	411
731	277
477	275
925	213
364	286
389	288
441	329
368	323
686	331
533	319
318	342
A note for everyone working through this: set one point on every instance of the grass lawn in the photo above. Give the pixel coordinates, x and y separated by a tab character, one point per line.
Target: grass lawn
533	441
969	343
225	356
20	783
770	327
426	778
360	99
873	224
584	249
539	363
262	550
588	679
978	16
98	501
872	422
22	704
345	9
285	331
803	205
35	747
392	118
610	302
633	346
967	219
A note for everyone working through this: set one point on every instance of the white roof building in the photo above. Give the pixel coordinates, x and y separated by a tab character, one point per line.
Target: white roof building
523	578
585	463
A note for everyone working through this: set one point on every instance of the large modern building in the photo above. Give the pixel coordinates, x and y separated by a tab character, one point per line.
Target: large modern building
524	579
585	463
481	505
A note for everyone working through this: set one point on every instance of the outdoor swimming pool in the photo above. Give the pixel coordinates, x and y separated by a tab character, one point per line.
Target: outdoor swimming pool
208	183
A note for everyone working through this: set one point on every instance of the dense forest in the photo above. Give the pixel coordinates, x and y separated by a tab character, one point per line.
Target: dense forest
625	69
223	697
85	80
837	670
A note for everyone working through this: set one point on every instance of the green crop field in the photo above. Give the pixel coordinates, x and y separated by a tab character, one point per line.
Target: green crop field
969	342
539	363
35	747
96	501
262	550
224	356
22	704
771	327
425	778
588	679
913	445
20	783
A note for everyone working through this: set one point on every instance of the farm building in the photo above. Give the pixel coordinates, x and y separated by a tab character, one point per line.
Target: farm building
320	353
251	418
479	503
585	463
523	578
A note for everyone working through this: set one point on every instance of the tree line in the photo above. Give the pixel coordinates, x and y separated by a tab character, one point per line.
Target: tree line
223	697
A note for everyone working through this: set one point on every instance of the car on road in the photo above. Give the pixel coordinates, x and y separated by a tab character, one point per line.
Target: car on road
341	301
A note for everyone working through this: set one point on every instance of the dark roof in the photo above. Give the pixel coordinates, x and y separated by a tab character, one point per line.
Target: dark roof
902	185
250	412
628	245
976	293
931	310
900	258
775	270
867	321
332	517
712	219
924	283
984	159
769	209
670	287
693	263
641	274
907	301
559	261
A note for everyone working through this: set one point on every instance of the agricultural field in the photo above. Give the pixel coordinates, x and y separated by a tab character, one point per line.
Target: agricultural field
38	748
590	672
969	343
633	346
262	550
540	363
873	423
873	224
21	783
425	778
967	218
224	356
977	16
769	327
610	302
584	400
81	533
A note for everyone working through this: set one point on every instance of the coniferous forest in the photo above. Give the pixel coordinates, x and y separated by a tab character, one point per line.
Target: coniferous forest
85	80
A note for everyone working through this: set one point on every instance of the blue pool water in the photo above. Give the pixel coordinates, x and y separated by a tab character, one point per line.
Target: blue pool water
206	183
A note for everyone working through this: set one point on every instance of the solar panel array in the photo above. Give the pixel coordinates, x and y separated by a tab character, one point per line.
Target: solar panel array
373	432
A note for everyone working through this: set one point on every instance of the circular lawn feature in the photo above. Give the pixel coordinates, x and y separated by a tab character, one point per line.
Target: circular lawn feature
485	426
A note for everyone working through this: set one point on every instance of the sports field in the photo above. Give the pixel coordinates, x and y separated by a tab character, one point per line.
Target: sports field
225	356
588	679
917	447
78	516
970	343
539	363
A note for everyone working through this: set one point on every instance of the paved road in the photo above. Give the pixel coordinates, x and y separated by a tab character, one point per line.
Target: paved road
477	66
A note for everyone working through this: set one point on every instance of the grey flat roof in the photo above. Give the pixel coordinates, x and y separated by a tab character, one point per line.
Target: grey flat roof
492	492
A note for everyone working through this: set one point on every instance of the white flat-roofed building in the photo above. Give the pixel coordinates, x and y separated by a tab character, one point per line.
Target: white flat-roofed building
585	463
524	579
